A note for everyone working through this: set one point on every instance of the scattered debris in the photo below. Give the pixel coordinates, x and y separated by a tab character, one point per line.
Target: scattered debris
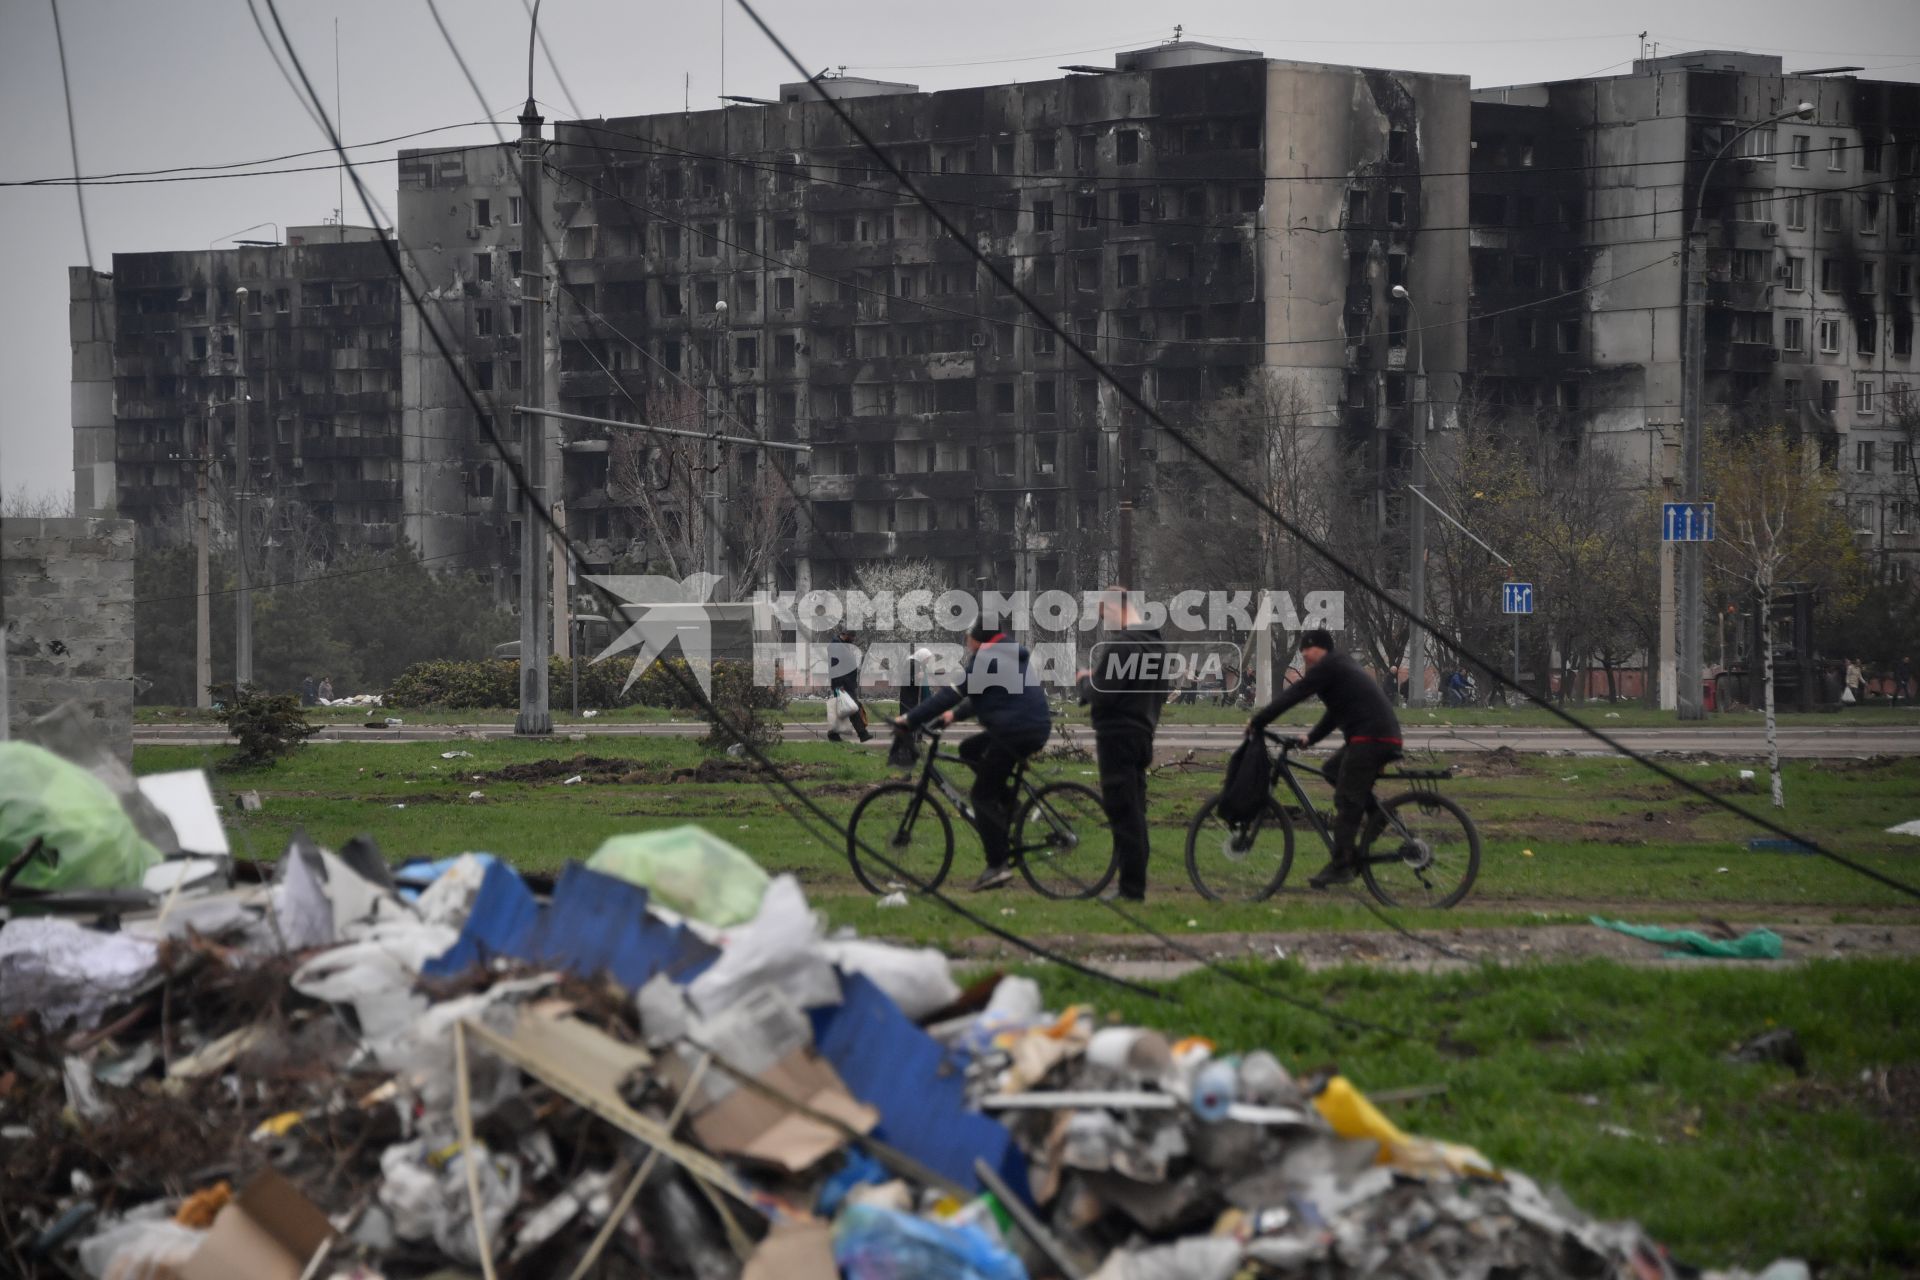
1781	1045
1757	944
662	1066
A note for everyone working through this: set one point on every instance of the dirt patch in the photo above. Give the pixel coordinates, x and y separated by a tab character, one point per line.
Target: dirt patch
1501	762
599	770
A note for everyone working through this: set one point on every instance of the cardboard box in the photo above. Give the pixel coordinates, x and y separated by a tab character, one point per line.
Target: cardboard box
763	1034
269	1232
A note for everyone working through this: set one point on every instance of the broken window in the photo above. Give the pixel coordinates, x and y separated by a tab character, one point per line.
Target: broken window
483	321
1090	453
1396	388
1003	397
1003	157
670	354
513	373
1356	208
1193	326
1903	335
1830	275
1045	275
1003	339
746	353
1865	335
746	291
786	234
1250	199
1086	272
1526	271
1129	208
1869	278
1179	384
483	374
1396	208
513	211
1396	146
1046	153
1043	343
1045	396
1083	153
1487	209
1126	146
707	176
1869	214
1228	256
672	182
670	243
783	293
1903	219
1829	213
1128	266
1569	334
1088	209
953	395
579	243
706	295
482	266
1043	215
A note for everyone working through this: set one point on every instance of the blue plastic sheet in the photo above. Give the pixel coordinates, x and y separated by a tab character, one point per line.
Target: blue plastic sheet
595	926
871	1243
901	1071
416	874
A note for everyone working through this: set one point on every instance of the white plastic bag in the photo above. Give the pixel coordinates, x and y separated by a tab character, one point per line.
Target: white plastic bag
779	947
845	701
919	981
1846	695
139	1250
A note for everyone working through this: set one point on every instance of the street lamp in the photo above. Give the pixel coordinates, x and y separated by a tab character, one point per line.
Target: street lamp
1693	270
1417	517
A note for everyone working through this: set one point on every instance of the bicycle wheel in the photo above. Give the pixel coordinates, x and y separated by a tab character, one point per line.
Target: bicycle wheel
907	829
1062	842
1439	852
1245	864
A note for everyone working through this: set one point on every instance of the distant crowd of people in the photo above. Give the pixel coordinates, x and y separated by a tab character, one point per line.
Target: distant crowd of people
314	695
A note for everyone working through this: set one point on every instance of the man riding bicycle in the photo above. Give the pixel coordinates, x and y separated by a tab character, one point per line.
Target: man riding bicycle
994	686
1359	709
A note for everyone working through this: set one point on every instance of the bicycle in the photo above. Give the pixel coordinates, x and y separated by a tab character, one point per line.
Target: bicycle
1058	838
1433	858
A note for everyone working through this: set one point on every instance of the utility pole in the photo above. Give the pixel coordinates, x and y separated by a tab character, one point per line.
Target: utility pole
242	482
723	333
1417	518
1693	266
536	640
203	605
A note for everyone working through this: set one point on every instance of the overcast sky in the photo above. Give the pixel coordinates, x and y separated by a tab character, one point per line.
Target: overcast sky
160	83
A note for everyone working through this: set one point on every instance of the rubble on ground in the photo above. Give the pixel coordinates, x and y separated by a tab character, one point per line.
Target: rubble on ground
356	1072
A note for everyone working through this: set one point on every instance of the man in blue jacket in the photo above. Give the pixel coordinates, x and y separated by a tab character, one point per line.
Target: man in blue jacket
995	687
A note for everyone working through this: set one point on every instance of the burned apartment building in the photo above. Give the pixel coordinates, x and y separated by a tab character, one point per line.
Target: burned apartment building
461	218
1194	215
1581	195
158	384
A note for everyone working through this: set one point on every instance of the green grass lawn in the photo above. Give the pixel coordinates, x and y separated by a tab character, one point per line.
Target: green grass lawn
1728	1164
1599	830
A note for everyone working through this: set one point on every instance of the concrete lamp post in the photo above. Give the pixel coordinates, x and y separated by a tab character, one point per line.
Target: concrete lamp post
1417	515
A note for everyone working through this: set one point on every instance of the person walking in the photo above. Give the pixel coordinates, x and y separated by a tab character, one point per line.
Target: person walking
914	691
1903	679
306	692
1856	682
1357	707
325	692
843	676
1124	690
996	687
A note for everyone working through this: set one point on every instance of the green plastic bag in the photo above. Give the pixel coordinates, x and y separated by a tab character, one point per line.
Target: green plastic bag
44	797
695	873
1756	944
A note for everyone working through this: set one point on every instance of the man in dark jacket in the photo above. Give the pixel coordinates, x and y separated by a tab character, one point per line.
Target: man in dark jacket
1357	707
843	676
996	688
1124	691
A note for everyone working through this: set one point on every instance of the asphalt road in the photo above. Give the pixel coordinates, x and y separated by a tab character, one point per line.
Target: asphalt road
1811	742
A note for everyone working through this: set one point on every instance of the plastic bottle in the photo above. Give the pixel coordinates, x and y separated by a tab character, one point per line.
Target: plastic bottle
1213	1090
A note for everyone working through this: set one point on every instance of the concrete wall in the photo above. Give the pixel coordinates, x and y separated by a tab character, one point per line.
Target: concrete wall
66	594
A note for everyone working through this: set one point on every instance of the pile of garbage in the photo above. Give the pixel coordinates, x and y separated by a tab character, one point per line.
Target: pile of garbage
658	1063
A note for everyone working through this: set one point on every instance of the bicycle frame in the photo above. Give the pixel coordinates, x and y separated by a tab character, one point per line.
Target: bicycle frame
1289	766
931	778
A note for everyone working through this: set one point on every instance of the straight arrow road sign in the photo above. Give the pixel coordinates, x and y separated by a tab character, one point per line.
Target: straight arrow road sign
1686	522
1517	597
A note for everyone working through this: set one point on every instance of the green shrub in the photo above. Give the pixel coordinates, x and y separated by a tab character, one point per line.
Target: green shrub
266	725
495	684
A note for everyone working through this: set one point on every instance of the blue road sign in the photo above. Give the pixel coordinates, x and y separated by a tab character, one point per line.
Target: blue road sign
1686	522
1517	597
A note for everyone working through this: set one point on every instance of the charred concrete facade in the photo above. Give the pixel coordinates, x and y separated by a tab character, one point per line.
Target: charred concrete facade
1811	262
1194	216
158	382
461	219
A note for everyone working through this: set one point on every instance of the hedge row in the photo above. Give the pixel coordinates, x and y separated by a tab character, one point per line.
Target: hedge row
495	683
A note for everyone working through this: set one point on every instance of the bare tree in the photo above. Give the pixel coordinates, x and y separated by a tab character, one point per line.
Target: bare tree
23	502
1777	519
662	478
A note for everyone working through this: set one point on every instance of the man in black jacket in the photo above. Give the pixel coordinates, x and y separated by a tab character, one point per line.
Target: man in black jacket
1357	707
1124	691
843	676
